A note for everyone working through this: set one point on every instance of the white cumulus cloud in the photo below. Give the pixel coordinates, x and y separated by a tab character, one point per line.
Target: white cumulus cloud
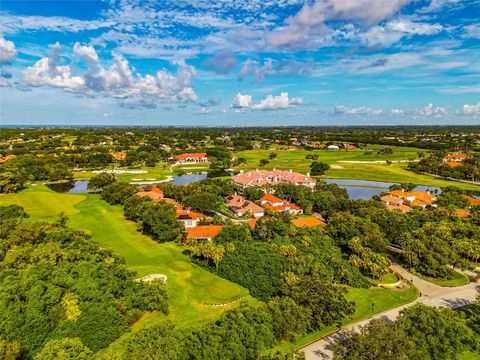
8	53
46	71
86	52
343	110
271	102
242	101
467	109
310	20
430	110
119	80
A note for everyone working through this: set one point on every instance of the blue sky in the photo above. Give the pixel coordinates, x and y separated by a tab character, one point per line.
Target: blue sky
240	62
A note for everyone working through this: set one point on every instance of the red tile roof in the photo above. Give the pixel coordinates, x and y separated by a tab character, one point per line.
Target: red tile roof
204	231
183	157
271	199
307	221
262	177
473	201
462	213
453	163
155	193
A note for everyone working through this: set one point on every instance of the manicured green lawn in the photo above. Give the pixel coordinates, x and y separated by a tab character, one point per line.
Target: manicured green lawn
189	286
457	279
468	355
41	203
368	302
389	278
158	173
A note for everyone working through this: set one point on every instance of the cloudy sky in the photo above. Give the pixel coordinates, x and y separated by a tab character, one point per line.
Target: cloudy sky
240	62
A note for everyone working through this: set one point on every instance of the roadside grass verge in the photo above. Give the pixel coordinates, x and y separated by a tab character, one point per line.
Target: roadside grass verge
456	279
368	302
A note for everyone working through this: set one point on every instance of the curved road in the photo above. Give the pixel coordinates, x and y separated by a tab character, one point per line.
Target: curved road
431	294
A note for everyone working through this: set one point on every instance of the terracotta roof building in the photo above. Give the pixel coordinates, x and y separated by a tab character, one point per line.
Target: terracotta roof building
415	198
192	158
276	204
204	232
240	206
454	160
190	218
462	213
307	221
121	155
473	201
262	177
155	193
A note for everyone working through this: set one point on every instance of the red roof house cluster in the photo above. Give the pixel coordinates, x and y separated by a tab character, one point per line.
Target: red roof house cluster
397	199
262	177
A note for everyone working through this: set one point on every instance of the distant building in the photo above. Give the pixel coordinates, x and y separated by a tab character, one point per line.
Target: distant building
120	155
276	204
203	232
333	147
262	177
240	206
192	158
473	201
454	160
318	145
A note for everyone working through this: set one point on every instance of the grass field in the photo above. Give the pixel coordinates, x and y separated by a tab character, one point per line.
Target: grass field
189	286
368	302
457	279
468	355
158	173
358	169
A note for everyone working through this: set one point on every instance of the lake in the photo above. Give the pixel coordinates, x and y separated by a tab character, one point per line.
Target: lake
185	179
70	187
365	189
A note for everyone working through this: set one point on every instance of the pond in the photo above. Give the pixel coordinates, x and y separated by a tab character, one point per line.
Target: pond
365	189
185	179
70	187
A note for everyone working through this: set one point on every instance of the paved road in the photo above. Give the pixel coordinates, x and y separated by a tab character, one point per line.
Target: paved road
431	294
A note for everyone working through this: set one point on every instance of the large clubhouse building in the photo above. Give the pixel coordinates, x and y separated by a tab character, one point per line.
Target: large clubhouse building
262	177
192	158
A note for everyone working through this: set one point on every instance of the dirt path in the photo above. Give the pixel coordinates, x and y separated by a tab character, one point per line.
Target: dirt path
431	294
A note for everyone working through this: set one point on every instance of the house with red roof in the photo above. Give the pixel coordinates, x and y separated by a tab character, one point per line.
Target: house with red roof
189	158
155	193
308	221
454	160
262	177
473	201
396	199
203	232
190	218
273	203
241	206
